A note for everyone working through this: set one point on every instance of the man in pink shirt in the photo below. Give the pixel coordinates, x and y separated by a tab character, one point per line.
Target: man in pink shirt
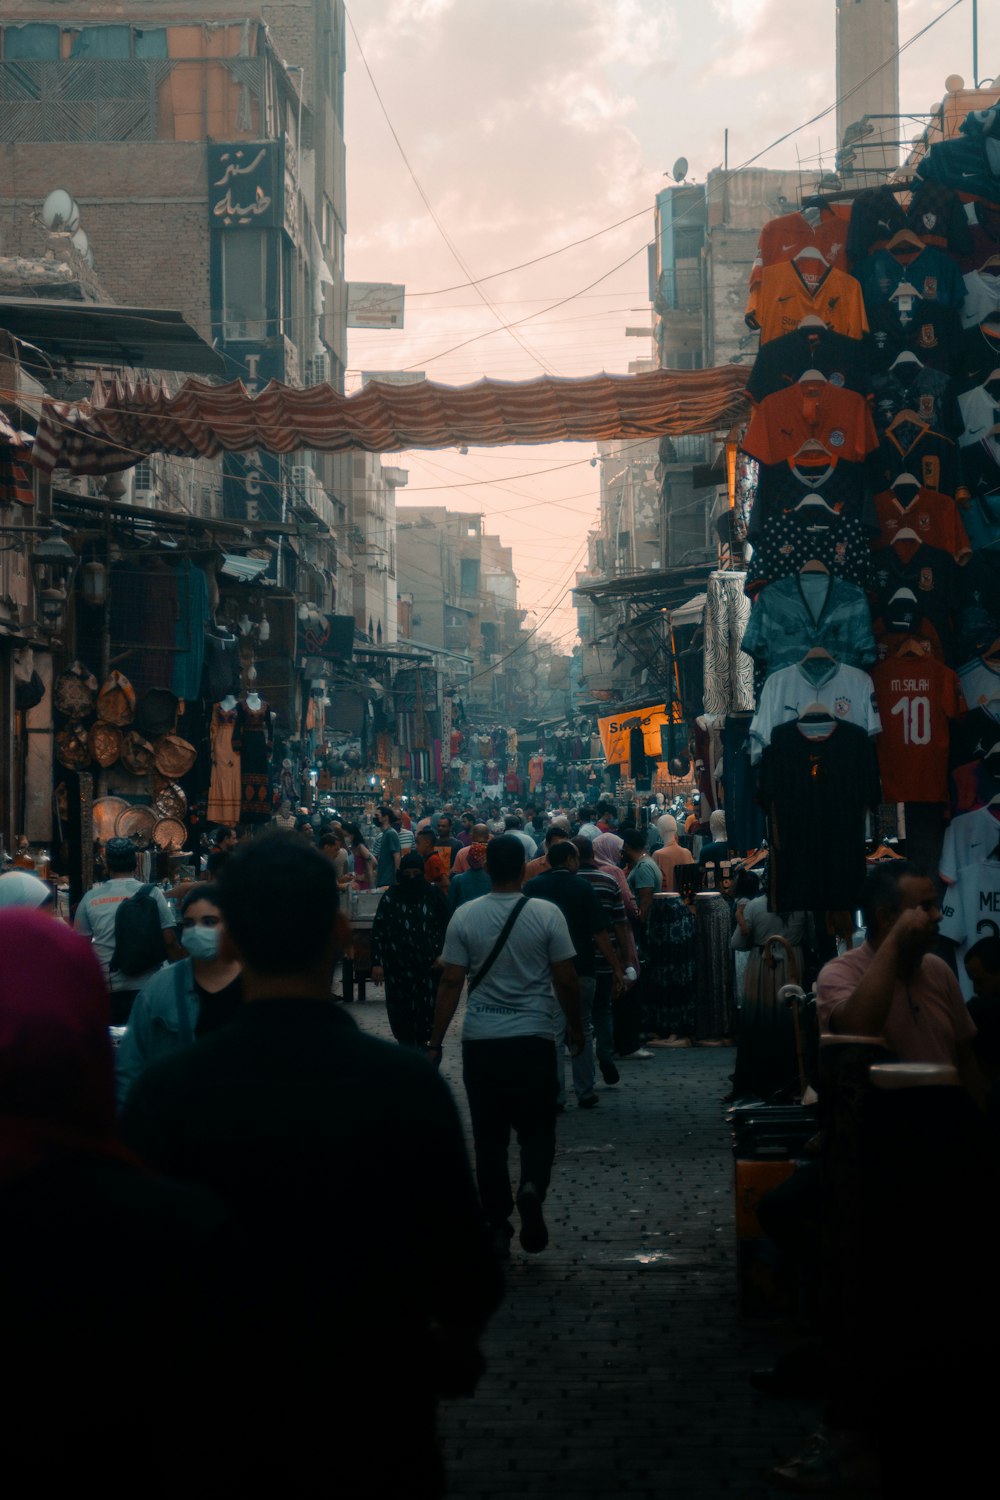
893	986
480	835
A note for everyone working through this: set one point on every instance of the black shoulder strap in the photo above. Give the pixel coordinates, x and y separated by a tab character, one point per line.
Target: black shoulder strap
495	951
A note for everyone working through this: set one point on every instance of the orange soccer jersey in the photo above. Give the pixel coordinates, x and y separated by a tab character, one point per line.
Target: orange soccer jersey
839	419
783	238
782	298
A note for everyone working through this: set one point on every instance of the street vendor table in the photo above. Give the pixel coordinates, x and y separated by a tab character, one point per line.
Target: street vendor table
357	965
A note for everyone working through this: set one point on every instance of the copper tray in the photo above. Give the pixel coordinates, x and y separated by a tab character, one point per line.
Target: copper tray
136	823
169	833
170	801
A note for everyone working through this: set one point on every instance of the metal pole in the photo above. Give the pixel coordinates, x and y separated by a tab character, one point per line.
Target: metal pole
975	44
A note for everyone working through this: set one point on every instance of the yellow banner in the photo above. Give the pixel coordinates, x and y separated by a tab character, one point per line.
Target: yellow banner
615	732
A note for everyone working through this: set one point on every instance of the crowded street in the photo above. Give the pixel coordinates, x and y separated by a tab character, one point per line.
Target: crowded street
617	1364
499	748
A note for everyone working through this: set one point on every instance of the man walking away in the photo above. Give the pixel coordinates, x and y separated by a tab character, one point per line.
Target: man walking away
389	850
97	918
514	950
608	892
588	927
343	1161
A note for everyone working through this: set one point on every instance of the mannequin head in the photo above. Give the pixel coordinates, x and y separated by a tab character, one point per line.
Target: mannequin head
666	827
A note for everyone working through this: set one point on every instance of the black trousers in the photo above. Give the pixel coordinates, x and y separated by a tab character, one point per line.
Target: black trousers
511	1084
122	1002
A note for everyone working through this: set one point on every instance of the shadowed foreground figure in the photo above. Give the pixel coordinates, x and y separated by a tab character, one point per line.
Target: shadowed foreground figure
111	1281
369	1274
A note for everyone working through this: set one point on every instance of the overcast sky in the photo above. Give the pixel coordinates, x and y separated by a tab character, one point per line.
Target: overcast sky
532	124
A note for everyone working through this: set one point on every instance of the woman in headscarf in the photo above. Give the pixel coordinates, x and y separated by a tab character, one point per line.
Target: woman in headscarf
627	1009
407	938
608	854
105	1271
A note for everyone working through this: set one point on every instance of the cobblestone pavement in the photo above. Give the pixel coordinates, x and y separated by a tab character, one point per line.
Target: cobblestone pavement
617	1365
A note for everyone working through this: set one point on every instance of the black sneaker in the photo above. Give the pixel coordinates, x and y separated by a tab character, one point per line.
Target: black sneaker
501	1239
534	1234
609	1072
589	1100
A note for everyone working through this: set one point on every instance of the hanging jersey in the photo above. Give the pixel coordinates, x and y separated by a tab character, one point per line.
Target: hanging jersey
846	692
795	614
816	793
980	682
982	298
914	584
968	840
779	364
781	299
917	449
781	239
811	531
841	485
977	356
980	414
916	697
932	517
929	394
931	331
971	911
933	274
839	419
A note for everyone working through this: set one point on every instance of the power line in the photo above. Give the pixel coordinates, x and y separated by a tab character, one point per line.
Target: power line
542	363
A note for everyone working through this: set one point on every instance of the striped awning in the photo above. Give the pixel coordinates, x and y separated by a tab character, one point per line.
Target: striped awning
126	422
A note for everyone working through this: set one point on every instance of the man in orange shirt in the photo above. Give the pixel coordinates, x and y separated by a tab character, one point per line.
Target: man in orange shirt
538	866
434	870
672	854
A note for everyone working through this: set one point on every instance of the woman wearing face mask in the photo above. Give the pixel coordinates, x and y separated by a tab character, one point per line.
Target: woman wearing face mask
407	937
185	1001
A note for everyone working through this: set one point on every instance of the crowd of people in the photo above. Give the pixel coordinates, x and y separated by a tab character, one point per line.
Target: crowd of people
246	1126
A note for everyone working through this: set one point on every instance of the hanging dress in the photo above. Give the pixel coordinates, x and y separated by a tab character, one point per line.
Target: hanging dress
252	738
669	969
224	787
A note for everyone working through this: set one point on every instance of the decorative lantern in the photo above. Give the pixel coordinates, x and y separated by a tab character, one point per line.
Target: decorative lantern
53	567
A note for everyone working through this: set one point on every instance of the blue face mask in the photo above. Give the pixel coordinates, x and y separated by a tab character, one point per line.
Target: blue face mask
201	942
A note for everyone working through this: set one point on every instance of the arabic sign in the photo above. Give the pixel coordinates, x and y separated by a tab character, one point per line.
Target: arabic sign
374	304
246	185
616	731
329	638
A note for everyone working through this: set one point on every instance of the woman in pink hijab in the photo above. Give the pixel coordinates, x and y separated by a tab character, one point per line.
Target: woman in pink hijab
608	852
104	1269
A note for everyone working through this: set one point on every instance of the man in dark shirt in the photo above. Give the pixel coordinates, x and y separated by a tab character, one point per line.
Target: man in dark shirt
588	925
344	1165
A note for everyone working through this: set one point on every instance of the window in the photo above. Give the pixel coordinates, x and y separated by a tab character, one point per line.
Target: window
469	576
244	284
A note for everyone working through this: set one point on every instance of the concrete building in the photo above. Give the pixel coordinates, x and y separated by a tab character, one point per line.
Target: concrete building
458	593
373	547
207	157
868	122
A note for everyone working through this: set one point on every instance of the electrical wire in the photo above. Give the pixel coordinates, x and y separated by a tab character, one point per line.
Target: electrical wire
508	327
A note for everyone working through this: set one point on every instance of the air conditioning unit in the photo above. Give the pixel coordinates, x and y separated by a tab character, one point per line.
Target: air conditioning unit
146	497
303	477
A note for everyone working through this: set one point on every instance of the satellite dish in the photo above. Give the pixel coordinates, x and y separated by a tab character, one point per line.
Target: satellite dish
680	169
80	242
59	211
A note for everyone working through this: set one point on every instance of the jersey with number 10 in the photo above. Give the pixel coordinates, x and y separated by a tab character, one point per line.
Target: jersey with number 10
916	697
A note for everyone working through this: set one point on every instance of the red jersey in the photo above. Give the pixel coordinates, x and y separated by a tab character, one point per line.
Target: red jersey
783	238
933	517
838	418
916	697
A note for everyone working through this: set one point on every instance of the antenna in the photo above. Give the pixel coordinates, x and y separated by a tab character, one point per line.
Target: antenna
680	169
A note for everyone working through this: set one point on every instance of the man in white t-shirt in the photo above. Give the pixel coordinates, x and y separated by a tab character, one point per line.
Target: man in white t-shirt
96	917
508	1040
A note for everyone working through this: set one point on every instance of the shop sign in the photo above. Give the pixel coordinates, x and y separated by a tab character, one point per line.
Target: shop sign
374	304
251	482
329	638
246	185
616	730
